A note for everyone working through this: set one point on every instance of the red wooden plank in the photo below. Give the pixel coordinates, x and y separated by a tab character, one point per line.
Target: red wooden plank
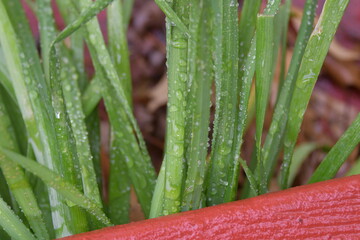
326	210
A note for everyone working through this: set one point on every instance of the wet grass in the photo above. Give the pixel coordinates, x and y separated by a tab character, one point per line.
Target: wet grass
49	125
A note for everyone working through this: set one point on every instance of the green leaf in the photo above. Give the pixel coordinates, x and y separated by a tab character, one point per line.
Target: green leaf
355	169
314	56
264	75
274	138
220	183
55	181
12	224
338	153
300	154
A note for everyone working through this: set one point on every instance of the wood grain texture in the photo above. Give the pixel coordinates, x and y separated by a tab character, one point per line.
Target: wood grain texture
326	210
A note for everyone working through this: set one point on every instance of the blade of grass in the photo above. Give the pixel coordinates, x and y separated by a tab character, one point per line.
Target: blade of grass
5	80
198	104
312	61
12	224
300	154
5	195
91	96
338	153
34	104
157	201
16	179
55	181
247	74
220	185
73	143
177	50
247	28
355	169
119	184
285	12
93	128
142	173
69	14
264	73
173	15
126	12
72	97
273	141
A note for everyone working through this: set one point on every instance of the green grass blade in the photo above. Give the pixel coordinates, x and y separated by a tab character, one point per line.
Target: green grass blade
173	16
312	61
300	155
5	80
264	74
177	44
117	45
220	185
55	181
93	128
157	201
91	96
86	15
273	141
12	224
338	153
138	161
355	169
285	11
247	74
16	179
119	185
29	50
35	107
198	104
127	10
247	28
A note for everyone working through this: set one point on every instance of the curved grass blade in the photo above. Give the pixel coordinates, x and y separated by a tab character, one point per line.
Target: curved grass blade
141	171
12	224
69	13
338	153
16	179
72	96
173	16
5	80
85	16
32	96
55	181
273	141
72	155
312	61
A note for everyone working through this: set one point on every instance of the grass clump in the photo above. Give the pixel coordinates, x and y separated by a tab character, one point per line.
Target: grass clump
49	125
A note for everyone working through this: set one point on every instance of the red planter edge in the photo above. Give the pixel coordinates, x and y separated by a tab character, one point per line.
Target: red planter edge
329	209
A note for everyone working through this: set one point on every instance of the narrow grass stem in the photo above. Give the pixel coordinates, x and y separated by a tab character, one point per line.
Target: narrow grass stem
310	67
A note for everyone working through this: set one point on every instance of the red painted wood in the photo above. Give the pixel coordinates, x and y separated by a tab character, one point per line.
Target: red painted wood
326	210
